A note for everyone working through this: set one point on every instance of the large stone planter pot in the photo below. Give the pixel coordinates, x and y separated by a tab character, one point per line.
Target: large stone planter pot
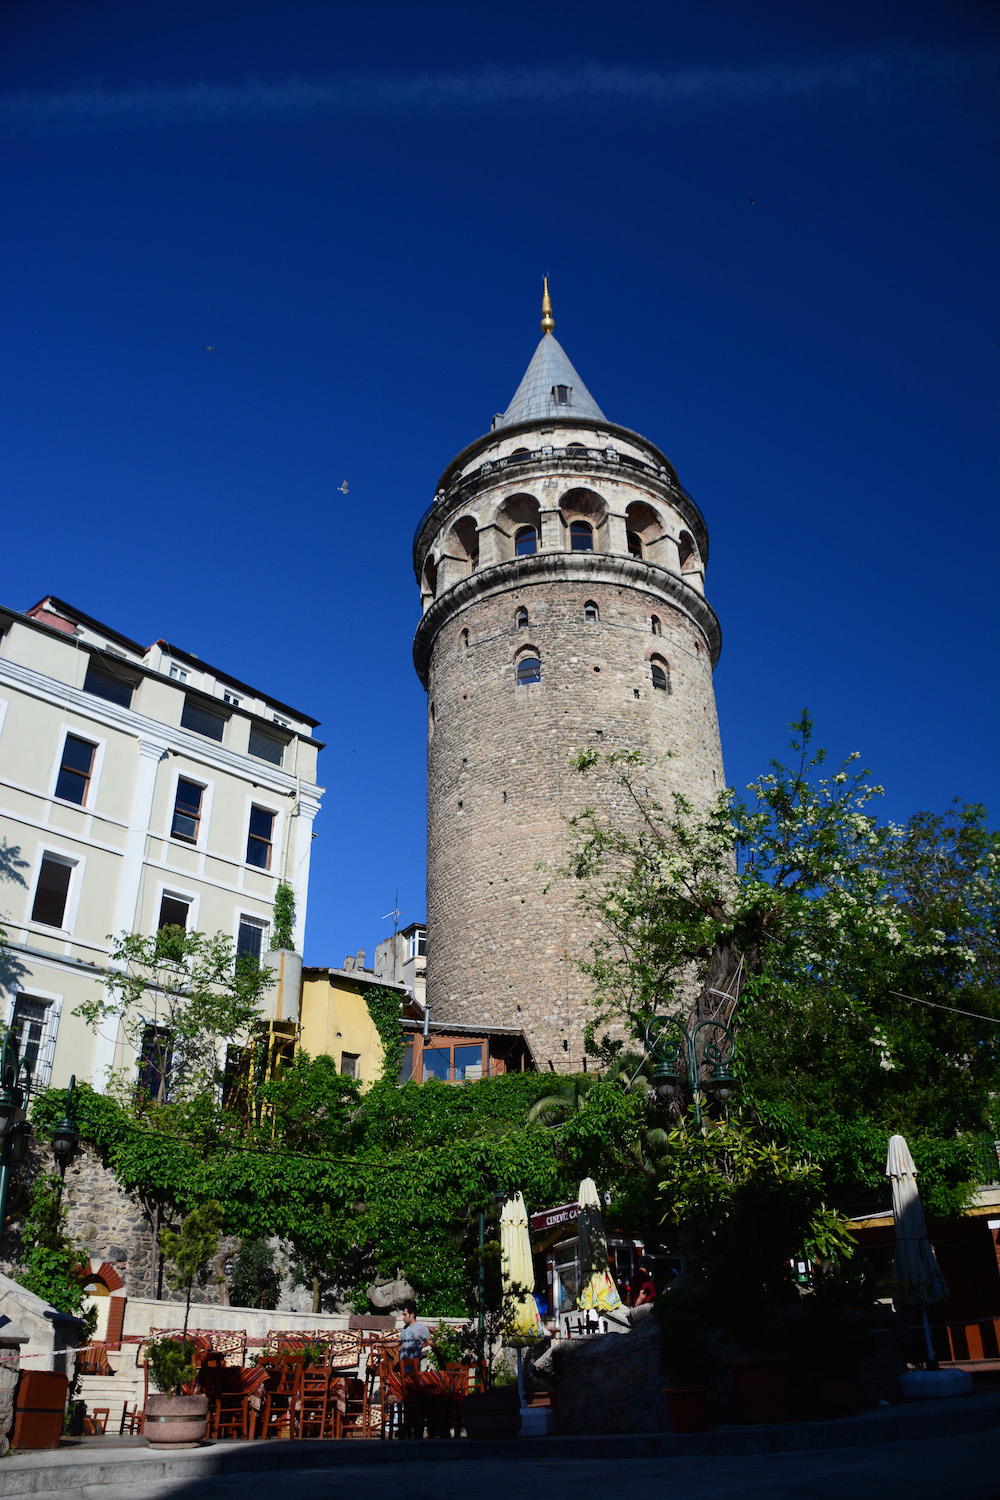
688	1405
492	1414
763	1388
174	1422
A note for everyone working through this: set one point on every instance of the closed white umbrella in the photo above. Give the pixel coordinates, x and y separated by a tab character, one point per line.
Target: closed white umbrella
916	1274
518	1273
598	1291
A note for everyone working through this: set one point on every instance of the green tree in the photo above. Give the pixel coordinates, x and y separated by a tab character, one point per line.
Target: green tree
50	1264
284	917
178	997
801	920
190	1251
256	1280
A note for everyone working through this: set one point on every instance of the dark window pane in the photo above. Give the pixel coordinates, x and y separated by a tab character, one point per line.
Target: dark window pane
659	677
202	720
468	1057
634	543
529	669
261	822
266	746
437	1063
250	939
350	1064
187	811
581	537
103	685
406	1066
156	1057
526	541
259	839
50	895
74	773
28	1025
173	912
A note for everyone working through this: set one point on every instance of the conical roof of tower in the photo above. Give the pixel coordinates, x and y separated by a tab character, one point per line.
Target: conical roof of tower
549	373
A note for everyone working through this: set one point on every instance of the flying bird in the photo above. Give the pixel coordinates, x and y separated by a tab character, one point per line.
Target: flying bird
208	349
752	202
343	487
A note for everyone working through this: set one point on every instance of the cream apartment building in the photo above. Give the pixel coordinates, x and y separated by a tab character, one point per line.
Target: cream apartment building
138	787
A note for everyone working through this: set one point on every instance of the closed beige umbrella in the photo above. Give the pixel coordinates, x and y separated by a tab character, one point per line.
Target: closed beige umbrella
916	1274
598	1290
518	1273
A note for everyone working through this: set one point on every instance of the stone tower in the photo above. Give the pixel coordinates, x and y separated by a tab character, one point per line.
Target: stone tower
562	576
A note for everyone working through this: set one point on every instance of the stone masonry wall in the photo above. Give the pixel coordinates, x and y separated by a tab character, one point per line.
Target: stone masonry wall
501	948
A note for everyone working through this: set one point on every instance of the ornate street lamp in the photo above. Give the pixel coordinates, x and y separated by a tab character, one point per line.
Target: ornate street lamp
66	1136
675	1051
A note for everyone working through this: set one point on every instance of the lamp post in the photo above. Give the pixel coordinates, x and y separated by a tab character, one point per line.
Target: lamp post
15	1132
66	1136
677	1058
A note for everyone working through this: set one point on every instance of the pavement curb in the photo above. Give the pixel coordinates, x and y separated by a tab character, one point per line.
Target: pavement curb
75	1468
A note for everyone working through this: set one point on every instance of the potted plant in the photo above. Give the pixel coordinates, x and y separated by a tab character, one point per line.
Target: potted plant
494	1410
173	1420
829	1339
447	1347
686	1355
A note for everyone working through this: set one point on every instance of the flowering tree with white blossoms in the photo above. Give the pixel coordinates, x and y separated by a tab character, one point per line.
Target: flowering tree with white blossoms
841	952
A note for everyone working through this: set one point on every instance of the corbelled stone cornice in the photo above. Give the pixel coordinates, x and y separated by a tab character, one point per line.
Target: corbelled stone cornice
565	567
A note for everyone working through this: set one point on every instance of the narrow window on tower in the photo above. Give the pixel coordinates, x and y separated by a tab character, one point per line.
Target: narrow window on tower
634	543
529	669
581	536
465	640
654	625
525	541
686	552
590	613
660	673
521	619
562	395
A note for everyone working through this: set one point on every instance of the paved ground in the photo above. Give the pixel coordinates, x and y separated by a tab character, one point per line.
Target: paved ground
963	1467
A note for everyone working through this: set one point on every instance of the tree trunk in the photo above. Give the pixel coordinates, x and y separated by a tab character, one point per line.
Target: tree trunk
317	1295
187	1312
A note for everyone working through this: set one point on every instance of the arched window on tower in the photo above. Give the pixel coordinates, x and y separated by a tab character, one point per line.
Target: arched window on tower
634	543
660	673
654	625
465	640
581	536
525	541
590	612
529	668
687	552
521	619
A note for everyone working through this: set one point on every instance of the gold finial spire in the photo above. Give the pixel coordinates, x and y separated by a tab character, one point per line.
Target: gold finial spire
548	321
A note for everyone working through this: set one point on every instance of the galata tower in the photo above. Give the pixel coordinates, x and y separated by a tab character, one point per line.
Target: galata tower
562	577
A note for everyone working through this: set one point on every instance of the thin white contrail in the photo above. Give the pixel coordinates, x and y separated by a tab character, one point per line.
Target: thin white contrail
491	87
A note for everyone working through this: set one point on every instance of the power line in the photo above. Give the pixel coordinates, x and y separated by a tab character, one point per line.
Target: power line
975	1014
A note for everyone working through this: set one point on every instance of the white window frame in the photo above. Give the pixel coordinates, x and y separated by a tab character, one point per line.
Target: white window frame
177	673
277	834
95	775
77	863
168	888
252	916
50	1031
207	791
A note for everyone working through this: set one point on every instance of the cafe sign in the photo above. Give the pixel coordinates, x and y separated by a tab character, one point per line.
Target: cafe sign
551	1218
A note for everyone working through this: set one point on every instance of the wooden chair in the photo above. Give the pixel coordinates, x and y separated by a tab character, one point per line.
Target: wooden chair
283	1389
231	1416
95	1423
133	1420
318	1413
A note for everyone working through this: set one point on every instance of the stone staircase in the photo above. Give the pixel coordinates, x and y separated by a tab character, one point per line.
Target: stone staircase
114	1391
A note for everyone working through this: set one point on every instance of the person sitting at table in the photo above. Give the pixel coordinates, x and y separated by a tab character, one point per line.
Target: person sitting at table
414	1334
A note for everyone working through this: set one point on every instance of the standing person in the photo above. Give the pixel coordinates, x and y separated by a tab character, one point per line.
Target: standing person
643	1286
414	1334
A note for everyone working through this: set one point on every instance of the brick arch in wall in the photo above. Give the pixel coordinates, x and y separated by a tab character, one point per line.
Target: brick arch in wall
581	504
104	1272
509	515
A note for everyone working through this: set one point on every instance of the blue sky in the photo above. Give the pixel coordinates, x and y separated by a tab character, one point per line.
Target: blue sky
771	233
